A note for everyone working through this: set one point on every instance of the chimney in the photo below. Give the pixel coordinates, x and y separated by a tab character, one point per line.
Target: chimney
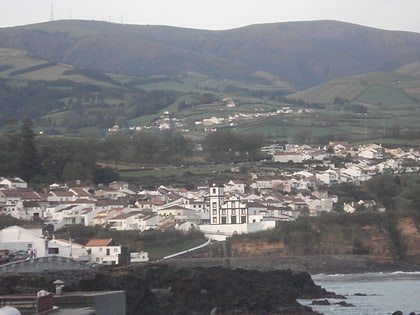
59	284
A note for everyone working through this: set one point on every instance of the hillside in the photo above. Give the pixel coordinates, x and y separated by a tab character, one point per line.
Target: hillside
83	77
303	54
375	88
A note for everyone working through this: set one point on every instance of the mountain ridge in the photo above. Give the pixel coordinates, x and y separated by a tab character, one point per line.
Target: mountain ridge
304	54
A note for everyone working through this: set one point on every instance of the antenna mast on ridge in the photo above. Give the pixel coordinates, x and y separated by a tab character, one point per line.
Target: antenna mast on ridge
52	12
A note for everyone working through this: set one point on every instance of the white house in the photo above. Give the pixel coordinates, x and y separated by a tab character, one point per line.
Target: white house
146	222
13	183
139	257
104	251
373	151
61	196
12	203
102	216
212	121
67	248
328	177
284	157
124	221
16	238
180	214
233	186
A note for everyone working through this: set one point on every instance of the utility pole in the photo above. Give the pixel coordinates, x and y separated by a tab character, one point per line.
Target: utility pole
52	12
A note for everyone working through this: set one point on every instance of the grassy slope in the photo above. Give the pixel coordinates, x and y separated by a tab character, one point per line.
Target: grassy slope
20	60
389	97
300	54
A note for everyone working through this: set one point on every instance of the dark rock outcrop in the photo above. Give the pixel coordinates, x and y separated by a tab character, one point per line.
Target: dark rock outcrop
163	289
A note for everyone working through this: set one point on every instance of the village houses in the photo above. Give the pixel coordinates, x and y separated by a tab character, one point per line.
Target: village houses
218	210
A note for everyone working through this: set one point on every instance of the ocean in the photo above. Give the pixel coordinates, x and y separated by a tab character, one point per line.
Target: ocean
370	293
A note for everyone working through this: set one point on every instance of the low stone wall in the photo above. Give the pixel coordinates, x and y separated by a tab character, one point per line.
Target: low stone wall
43	263
329	264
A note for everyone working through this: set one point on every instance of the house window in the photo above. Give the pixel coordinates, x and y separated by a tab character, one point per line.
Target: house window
223	212
53	251
108	251
243	212
100	249
233	219
243	219
214	205
223	220
214	212
214	190
97	259
115	250
214	219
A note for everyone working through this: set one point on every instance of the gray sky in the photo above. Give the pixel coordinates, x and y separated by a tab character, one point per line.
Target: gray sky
216	14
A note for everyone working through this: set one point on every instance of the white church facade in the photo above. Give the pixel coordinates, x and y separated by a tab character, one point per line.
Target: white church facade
229	216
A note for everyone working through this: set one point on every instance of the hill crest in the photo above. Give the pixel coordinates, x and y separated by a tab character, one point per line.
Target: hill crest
303	54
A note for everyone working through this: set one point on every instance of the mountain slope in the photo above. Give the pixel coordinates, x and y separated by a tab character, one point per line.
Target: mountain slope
377	88
303	54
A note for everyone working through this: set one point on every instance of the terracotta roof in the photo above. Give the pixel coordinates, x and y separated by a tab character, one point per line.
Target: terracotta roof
31	204
62	193
100	216
81	192
30	195
11	193
99	242
125	215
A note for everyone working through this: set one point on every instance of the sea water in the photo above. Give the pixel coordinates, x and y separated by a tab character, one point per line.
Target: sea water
370	293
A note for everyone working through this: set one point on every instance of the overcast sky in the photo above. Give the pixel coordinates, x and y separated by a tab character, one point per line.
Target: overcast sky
215	14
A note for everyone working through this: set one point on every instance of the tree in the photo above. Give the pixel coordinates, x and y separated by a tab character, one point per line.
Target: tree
27	154
104	175
226	146
75	170
114	148
395	131
9	149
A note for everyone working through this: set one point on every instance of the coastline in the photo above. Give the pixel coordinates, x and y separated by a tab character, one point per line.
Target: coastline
313	264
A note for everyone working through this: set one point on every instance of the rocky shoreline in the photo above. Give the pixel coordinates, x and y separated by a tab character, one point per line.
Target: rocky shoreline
216	286
166	289
312	264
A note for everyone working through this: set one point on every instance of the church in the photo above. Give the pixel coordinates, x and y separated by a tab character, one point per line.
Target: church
222	211
229	216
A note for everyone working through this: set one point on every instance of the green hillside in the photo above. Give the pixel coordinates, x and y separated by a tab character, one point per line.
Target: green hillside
372	88
66	100
296	54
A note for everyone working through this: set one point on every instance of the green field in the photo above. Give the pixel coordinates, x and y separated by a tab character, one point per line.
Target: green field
390	99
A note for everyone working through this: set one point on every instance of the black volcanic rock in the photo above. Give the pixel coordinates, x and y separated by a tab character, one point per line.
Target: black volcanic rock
163	289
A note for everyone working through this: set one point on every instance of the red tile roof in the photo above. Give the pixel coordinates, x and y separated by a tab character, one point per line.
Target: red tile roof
99	242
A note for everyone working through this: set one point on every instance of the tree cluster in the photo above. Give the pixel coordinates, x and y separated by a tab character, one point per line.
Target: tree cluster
227	146
45	159
394	192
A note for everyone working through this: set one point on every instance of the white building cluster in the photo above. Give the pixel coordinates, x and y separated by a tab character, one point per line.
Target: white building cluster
219	210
